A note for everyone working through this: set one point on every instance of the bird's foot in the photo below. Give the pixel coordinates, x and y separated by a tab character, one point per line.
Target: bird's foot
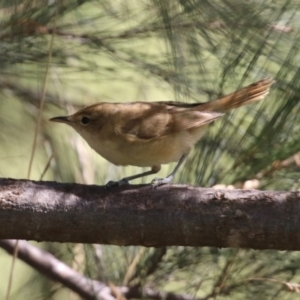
156	182
121	182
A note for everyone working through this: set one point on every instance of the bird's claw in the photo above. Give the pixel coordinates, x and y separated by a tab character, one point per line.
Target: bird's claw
156	182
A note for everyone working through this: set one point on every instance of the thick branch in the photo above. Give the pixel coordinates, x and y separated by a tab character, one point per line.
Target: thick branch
140	215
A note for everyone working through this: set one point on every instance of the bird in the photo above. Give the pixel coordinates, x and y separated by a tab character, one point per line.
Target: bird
150	134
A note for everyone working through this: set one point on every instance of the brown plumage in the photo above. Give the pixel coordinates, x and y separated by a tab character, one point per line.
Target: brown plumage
148	134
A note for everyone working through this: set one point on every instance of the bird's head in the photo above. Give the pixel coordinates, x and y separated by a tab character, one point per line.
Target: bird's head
87	121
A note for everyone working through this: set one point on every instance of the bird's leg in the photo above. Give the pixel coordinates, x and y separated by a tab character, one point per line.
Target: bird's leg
160	181
125	180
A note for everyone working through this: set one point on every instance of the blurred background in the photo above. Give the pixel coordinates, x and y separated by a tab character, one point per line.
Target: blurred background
59	56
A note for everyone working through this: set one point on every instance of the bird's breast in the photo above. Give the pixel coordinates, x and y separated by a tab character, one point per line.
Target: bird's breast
128	150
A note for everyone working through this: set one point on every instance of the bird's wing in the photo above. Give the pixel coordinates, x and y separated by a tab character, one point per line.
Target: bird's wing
152	120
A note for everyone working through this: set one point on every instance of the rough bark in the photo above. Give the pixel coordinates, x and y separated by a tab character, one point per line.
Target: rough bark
140	215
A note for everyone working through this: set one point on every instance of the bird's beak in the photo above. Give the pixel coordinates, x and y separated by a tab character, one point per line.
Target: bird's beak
60	120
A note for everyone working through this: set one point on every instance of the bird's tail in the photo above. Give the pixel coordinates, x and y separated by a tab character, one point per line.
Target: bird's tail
251	93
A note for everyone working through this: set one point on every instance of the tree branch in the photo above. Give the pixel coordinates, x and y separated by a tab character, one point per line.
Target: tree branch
53	268
87	288
140	215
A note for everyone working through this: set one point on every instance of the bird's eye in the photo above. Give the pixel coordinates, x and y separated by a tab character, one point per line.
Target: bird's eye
85	120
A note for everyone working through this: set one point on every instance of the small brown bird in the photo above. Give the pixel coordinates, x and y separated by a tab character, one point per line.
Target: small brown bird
149	134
